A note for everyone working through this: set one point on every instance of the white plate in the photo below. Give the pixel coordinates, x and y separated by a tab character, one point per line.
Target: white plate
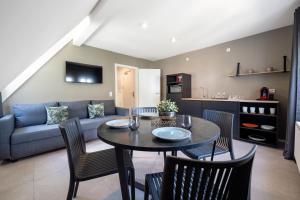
257	138
171	133
267	127
148	115
118	123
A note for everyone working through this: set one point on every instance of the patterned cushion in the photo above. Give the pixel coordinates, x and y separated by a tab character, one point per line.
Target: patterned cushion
109	106
55	115
96	110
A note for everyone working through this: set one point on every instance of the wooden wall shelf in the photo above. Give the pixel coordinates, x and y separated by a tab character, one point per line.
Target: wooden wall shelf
258	73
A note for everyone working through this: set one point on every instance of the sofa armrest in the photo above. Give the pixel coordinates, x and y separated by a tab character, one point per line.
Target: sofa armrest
7	126
122	111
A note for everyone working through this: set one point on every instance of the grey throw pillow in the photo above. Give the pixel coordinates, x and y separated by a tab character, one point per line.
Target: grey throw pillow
55	115
96	110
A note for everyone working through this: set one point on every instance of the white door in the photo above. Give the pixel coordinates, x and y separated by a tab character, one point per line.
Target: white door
149	87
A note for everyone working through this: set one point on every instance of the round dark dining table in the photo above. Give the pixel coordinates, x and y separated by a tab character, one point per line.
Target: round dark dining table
203	132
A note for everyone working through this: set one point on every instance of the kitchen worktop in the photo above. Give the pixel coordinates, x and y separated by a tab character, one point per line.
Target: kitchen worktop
231	100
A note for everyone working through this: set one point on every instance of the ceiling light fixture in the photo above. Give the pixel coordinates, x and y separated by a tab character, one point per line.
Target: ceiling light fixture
173	40
144	25
187	59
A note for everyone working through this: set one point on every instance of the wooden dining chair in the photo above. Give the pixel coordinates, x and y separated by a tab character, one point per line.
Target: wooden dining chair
191	179
85	166
139	110
223	144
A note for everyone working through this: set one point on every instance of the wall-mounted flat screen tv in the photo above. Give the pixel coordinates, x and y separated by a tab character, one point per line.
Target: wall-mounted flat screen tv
83	73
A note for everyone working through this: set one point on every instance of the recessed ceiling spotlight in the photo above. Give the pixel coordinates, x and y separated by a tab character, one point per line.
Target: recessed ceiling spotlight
228	50
187	59
144	25
173	40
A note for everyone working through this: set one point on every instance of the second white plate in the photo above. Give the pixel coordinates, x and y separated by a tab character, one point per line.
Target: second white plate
118	123
171	133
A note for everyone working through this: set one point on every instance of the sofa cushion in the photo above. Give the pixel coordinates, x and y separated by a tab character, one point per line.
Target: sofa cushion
31	114
96	110
33	133
56	115
88	124
77	108
109	106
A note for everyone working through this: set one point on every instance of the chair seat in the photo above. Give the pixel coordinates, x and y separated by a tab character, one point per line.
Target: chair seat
154	182
204	151
100	163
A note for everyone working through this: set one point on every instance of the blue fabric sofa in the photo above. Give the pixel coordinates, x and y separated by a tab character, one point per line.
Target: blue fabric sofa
25	132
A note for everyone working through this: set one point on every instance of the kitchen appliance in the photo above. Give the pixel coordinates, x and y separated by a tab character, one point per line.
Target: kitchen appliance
264	93
272	94
175	88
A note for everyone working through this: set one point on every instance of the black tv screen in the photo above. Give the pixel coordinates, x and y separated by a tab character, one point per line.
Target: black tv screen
83	73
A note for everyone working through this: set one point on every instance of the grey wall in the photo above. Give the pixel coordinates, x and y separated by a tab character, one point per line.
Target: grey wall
48	84
210	66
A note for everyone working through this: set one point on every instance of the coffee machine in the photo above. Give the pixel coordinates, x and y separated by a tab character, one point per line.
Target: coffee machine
264	93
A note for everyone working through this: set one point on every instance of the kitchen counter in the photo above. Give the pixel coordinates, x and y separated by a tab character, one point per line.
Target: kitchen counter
230	100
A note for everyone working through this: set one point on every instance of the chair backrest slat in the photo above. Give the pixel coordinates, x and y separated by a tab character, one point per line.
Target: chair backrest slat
74	140
139	110
225	121
187	182
186	179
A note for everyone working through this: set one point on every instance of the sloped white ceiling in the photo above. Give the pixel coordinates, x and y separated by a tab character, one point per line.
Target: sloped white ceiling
29	28
194	23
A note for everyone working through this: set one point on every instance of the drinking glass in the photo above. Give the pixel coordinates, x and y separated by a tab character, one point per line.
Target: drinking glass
186	121
134	122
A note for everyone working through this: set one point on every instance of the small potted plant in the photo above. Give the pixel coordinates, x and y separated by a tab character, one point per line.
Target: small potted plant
167	108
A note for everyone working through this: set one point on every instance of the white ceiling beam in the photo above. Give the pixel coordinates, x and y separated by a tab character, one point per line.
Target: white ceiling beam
44	58
93	26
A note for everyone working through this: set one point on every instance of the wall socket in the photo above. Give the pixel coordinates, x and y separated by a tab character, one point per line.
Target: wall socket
110	94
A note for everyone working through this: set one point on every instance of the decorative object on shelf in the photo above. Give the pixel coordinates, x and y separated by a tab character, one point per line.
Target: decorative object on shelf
250	125
267	127
238	69
252	110
272	94
245	109
284	63
167	108
257	138
250	71
261	110
272	111
179	79
264	93
270	69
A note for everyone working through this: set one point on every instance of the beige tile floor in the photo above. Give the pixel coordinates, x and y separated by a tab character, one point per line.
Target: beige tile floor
45	177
